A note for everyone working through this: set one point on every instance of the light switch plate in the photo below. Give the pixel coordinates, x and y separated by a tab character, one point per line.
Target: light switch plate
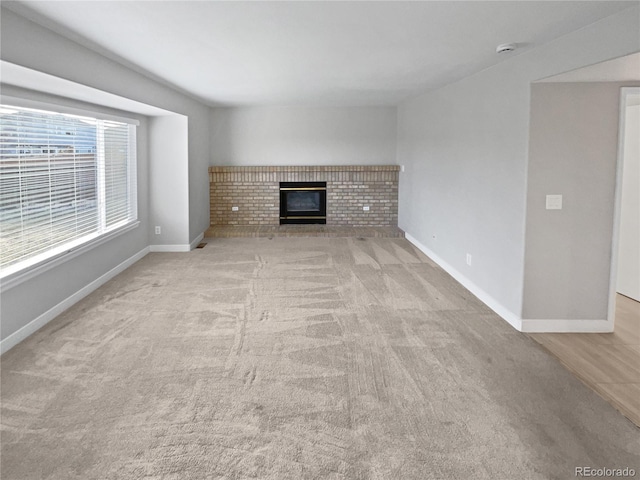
554	202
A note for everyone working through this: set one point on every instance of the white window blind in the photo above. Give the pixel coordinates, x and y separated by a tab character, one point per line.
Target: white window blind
64	180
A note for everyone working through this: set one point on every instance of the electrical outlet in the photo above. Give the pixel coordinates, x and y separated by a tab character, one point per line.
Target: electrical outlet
402	168
158	230
365	208
469	259
234	209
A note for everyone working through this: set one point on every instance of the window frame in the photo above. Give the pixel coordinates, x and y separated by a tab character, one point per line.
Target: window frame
22	271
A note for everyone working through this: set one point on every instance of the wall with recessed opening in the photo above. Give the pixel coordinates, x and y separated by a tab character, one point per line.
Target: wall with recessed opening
27	44
465	151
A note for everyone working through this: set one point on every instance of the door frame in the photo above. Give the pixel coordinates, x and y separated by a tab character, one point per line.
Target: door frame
625	92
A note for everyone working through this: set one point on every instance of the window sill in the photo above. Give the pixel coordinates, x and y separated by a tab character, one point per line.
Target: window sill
11	280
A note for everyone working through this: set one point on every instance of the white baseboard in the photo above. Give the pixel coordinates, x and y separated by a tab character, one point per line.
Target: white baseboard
514	320
177	248
169	248
562	325
30	328
198	239
566	326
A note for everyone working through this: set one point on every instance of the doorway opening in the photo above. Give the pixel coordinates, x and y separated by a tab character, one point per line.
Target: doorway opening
625	266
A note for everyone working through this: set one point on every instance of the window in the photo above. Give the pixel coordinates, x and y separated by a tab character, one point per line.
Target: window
65	180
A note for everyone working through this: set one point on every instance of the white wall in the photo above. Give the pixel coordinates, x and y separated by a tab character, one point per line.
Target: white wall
628	282
465	151
169	181
27	44
303	136
573	151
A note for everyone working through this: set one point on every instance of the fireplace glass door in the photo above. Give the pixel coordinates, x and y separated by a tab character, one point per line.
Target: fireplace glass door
303	202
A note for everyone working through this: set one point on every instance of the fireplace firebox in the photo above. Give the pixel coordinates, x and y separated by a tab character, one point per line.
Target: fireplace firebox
303	202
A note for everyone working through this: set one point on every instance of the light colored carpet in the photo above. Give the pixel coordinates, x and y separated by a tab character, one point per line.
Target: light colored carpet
296	358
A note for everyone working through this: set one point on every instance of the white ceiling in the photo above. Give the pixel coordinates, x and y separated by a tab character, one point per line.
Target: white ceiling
311	53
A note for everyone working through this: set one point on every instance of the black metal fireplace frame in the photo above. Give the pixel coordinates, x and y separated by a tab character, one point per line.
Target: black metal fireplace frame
305	216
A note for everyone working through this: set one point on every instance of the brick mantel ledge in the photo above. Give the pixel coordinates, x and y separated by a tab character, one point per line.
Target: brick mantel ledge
306	168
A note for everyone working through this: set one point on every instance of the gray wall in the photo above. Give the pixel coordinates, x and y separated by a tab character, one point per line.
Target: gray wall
303	136
573	151
465	150
28	44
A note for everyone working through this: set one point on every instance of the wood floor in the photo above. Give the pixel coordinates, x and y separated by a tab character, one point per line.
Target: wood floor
609	363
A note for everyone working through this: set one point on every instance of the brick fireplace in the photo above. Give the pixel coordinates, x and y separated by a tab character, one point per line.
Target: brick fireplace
251	195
